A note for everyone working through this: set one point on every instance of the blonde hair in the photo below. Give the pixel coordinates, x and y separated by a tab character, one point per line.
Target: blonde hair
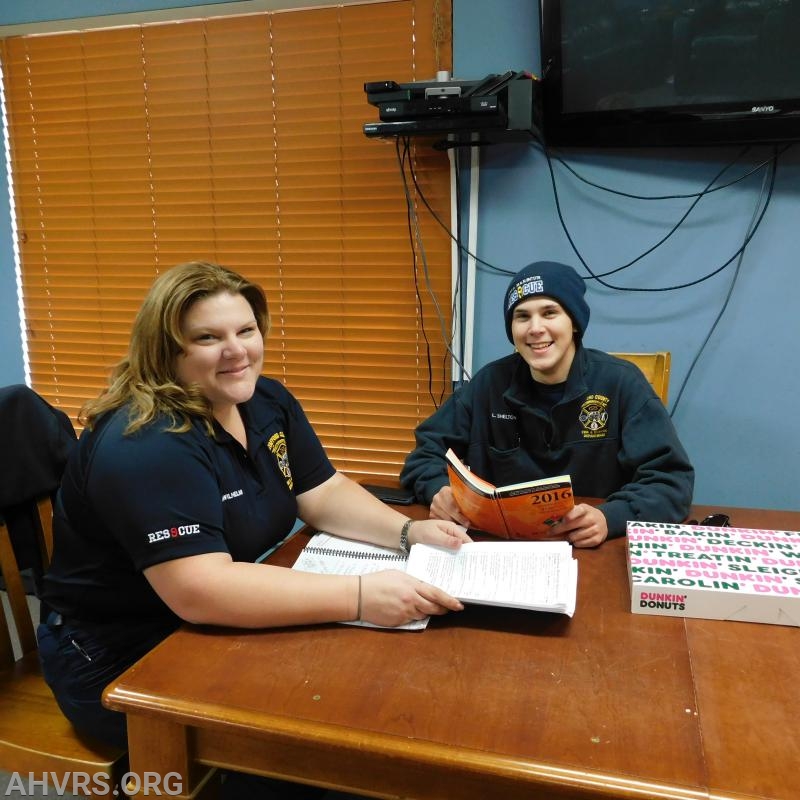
145	380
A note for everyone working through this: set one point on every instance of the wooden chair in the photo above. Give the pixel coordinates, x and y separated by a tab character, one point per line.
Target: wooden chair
34	735
655	367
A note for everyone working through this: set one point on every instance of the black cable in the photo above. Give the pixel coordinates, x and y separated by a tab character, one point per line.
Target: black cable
401	158
420	243
753	226
746	175
462	249
772	173
446	337
698	196
598	277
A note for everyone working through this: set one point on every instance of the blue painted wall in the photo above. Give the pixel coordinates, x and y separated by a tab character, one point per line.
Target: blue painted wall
737	413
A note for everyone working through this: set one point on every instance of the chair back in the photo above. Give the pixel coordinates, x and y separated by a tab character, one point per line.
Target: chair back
655	367
17	624
19	619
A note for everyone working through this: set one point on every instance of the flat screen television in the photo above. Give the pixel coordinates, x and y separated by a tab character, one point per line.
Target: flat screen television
708	72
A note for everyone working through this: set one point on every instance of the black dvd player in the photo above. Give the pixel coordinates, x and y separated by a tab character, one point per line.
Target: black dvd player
447	124
437	107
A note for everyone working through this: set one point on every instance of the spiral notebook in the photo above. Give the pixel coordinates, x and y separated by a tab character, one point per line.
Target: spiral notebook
332	555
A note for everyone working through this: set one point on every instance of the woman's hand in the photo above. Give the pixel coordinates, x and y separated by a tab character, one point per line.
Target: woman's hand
443	506
439	532
393	598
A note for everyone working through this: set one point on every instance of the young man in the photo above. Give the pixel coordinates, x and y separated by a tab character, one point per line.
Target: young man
555	407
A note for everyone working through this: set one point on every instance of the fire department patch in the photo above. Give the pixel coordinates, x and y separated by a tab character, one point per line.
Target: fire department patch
594	416
277	446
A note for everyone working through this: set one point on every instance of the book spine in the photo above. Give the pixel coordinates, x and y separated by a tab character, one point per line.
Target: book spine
507	532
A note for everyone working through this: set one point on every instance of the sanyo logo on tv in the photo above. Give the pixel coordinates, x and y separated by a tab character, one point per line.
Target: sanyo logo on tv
764	110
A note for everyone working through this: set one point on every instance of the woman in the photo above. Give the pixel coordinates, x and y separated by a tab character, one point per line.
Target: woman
555	407
191	466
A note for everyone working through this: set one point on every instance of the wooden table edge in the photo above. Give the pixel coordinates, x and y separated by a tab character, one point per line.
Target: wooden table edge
462	764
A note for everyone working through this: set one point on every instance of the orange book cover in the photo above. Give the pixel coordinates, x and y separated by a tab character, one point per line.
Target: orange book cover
519	511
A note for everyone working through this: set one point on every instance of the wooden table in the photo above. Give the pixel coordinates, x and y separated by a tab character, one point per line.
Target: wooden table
488	703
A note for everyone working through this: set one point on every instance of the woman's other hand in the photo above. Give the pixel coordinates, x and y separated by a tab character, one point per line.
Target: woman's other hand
438	532
393	598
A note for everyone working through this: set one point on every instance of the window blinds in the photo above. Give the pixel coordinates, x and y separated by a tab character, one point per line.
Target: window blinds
238	140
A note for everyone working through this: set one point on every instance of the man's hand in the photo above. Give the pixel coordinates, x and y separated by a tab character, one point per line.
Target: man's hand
581	526
443	506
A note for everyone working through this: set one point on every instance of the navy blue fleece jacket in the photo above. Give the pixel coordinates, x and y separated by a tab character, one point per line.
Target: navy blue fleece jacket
610	432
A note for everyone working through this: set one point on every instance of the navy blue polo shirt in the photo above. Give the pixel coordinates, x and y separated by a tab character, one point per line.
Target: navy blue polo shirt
129	502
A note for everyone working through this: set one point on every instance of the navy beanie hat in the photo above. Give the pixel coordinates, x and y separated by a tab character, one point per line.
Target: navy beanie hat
550	279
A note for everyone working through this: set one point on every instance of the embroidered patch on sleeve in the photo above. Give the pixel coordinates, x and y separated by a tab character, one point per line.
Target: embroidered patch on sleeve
277	446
